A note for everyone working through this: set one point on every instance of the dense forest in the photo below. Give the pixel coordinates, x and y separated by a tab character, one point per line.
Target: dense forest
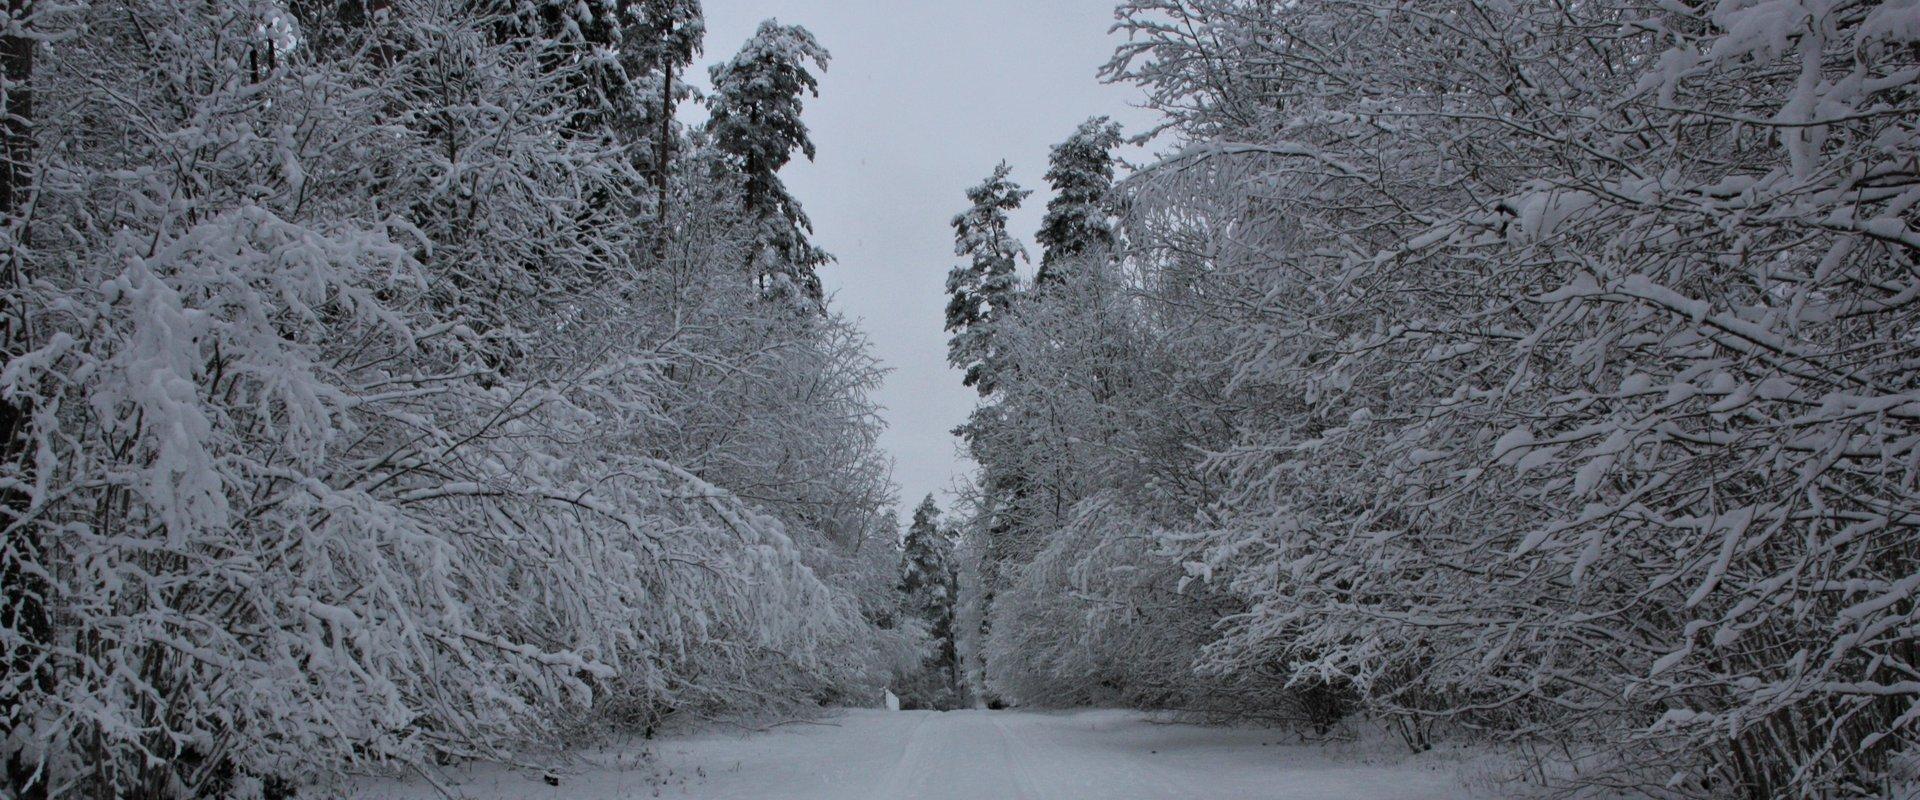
398	381
1537	371
394	383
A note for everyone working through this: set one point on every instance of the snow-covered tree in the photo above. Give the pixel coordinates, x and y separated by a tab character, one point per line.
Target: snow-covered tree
349	412
987	285
1078	218
1530	367
24	621
1093	428
661	39
756	104
1558	329
928	588
981	305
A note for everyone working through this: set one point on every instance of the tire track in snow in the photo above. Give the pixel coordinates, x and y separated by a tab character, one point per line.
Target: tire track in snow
1014	753
904	767
1018	763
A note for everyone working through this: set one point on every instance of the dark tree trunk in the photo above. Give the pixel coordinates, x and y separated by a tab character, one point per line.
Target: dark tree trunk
661	163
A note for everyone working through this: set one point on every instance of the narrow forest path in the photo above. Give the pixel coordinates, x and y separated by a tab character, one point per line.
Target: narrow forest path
972	755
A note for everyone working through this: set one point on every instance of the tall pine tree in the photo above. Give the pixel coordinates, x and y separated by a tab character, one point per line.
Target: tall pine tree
987	285
662	39
980	293
756	105
1077	220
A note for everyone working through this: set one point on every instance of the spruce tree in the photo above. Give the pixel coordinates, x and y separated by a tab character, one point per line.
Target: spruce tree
1080	170
987	285
755	122
927	588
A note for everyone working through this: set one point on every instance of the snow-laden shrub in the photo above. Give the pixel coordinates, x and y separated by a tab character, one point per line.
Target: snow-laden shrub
1104	616
1576	348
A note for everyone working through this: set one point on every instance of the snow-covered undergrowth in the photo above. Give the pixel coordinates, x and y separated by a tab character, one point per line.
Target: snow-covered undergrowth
360	412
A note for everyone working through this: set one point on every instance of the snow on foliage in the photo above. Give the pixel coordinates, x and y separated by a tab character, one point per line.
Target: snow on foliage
928	588
755	108
1622	292
356	428
1554	370
988	284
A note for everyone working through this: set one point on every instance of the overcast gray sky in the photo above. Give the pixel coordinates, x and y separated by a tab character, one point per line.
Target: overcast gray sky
921	99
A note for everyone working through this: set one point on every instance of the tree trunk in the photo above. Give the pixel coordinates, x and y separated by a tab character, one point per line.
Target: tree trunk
661	163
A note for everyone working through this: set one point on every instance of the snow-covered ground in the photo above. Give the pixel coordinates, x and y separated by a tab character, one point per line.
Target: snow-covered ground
960	755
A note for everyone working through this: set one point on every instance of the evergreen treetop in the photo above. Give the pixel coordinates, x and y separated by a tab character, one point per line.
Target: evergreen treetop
1080	170
987	284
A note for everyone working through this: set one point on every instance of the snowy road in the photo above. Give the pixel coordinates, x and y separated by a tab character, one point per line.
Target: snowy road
975	755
